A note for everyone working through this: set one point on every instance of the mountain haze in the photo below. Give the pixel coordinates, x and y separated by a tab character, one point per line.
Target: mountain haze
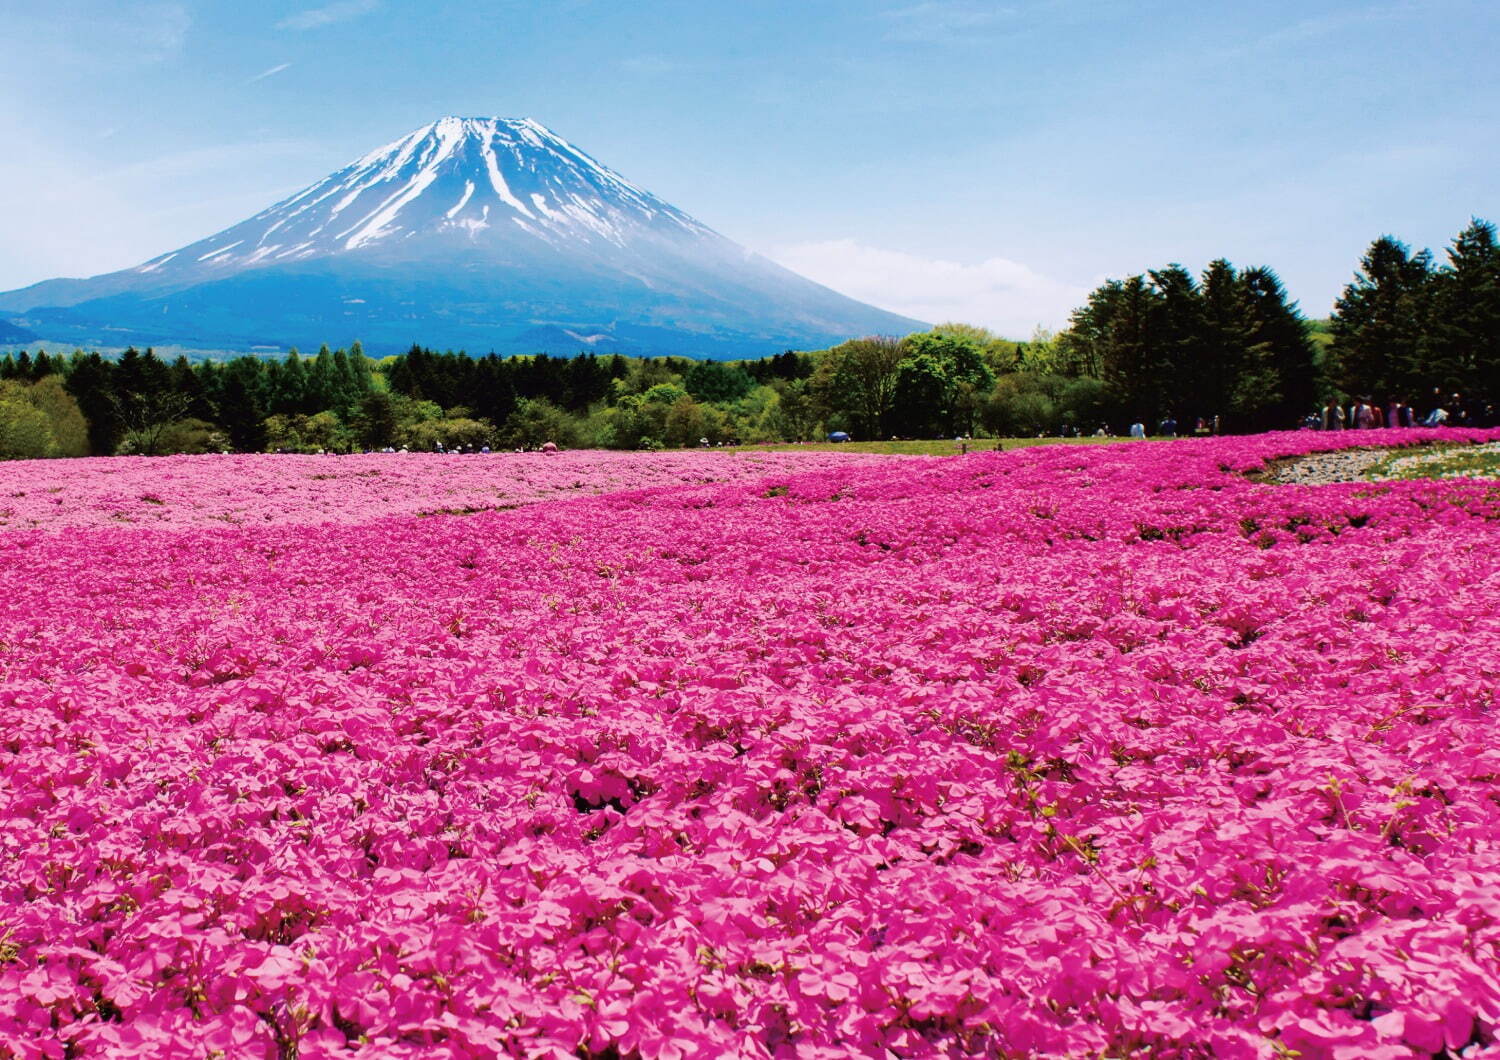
475	233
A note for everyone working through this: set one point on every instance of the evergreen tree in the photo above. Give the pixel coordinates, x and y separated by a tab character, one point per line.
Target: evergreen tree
241	403
1462	354
1277	384
1221	354
186	382
1380	320
288	389
364	375
1081	349
322	383
345	390
493	396
1129	361
90	379
1177	334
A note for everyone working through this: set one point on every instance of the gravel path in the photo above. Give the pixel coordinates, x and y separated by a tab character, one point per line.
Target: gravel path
1317	469
1350	465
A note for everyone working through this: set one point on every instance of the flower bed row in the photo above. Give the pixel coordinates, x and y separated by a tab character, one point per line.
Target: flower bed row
260	490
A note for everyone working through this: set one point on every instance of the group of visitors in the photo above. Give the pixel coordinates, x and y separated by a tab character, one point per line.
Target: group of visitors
1366	414
1170	428
446	450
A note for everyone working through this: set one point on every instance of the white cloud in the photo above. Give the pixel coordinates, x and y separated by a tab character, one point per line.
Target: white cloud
1003	295
272	72
328	14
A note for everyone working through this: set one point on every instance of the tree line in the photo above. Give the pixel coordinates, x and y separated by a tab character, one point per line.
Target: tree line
1227	347
1230	344
343	401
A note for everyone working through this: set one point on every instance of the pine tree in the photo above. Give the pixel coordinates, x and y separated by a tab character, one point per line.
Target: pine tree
1222	352
1462	354
241	404
1278	384
287	387
185	381
1129	361
90	379
322	383
1177	339
1081	351
1380	320
364	375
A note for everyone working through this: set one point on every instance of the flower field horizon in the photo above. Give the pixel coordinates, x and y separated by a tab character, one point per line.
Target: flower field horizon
1083	751
262	489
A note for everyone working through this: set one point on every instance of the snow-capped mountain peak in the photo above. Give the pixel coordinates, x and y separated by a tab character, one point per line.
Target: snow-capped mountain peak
478	233
459	177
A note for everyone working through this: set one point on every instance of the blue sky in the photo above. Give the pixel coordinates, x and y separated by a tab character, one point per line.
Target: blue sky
950	159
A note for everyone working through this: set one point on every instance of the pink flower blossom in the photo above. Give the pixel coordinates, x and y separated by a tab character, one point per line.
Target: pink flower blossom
1060	752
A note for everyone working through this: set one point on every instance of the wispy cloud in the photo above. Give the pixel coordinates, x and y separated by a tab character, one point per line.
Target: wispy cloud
118	36
153	31
272	72
1318	27
941	21
328	14
987	22
997	293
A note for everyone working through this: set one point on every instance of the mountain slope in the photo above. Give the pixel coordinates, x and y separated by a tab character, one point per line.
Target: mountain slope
10	333
479	233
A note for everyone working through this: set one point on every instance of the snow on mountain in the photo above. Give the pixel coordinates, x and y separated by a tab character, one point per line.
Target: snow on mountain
460	176
486	233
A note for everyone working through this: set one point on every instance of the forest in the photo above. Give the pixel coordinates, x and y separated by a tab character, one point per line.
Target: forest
1228	348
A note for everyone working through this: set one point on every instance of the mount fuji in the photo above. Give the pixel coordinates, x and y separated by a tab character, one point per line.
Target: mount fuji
469	233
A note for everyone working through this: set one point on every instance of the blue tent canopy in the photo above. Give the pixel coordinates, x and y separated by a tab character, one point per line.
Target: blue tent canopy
838	436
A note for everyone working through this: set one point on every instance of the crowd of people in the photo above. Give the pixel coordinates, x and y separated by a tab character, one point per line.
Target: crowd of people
1366	414
1363	413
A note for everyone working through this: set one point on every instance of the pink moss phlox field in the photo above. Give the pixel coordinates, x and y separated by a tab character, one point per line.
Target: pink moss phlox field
258	490
1072	752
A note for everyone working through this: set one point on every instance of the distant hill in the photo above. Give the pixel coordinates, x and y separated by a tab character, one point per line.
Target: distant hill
473	233
11	334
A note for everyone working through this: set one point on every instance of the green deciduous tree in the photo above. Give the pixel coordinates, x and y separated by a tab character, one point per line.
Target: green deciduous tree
24	430
536	422
856	383
922	401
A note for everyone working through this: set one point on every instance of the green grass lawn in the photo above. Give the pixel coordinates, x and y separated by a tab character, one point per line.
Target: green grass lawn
1441	461
940	447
